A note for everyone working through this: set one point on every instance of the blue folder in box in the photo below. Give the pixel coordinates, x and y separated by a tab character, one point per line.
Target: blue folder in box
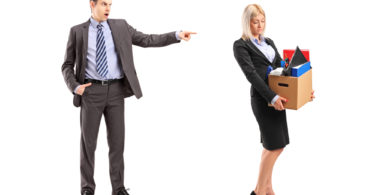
301	69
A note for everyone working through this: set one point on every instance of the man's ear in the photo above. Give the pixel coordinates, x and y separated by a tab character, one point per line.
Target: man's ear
92	4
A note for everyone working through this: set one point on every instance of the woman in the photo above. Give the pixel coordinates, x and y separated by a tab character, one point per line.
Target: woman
254	53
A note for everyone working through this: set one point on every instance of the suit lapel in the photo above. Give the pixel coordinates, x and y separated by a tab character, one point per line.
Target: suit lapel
85	35
122	43
256	50
274	48
115	34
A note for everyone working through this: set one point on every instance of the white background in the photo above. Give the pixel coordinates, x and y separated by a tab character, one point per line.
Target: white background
193	132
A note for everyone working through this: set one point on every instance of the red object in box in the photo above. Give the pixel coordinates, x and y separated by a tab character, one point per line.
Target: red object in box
288	53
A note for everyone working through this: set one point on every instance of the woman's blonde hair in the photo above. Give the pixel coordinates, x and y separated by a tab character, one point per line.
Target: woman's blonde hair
251	11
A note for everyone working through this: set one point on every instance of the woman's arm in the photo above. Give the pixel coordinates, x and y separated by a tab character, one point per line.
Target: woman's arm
244	60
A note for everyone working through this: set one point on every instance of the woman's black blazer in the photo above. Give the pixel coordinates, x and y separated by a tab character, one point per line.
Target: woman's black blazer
254	64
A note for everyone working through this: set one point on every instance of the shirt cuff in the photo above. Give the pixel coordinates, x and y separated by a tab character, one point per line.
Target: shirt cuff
274	99
75	90
178	37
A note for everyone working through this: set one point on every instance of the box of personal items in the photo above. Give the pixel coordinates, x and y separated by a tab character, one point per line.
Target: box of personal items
293	80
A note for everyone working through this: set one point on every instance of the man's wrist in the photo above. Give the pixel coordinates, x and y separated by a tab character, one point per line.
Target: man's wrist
76	89
178	35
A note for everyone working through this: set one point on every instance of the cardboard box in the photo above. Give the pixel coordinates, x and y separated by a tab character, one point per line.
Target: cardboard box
297	90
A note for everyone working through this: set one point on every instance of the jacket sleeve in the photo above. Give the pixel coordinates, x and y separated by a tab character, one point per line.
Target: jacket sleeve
244	60
69	61
151	40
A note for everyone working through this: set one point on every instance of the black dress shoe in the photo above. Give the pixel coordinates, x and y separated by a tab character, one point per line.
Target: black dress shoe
122	192
87	191
253	193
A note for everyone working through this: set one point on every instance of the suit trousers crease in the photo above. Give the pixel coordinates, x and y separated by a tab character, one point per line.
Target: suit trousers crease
99	100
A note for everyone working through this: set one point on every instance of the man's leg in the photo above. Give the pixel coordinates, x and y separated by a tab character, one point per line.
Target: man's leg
114	117
93	102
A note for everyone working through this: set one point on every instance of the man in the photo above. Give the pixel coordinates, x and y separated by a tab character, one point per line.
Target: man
100	50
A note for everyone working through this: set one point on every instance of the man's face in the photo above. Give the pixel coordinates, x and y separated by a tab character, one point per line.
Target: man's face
100	10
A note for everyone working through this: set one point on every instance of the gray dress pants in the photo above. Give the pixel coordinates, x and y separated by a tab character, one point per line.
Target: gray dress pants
99	100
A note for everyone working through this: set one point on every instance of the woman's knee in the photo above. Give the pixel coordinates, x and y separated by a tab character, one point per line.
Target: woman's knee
275	151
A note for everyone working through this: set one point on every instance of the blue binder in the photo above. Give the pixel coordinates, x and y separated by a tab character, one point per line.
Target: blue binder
300	70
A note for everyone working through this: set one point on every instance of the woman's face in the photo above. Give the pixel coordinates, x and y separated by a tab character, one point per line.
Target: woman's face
257	25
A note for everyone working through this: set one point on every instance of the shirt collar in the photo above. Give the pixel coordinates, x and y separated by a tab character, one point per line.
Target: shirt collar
95	23
262	40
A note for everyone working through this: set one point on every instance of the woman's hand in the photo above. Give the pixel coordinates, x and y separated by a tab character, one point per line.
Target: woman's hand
278	105
312	95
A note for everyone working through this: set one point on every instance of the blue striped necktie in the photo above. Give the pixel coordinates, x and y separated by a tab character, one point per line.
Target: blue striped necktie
101	54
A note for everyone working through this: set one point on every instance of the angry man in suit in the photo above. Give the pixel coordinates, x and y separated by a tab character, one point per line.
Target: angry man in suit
98	69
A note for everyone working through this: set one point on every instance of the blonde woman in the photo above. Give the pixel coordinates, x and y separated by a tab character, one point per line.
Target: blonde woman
254	53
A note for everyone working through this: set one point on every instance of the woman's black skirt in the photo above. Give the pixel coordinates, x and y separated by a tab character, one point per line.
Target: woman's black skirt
272	124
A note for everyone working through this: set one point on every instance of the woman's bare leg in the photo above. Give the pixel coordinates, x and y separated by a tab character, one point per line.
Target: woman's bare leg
264	185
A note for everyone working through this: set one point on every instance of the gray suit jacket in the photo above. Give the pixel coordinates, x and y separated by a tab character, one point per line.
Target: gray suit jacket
124	36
